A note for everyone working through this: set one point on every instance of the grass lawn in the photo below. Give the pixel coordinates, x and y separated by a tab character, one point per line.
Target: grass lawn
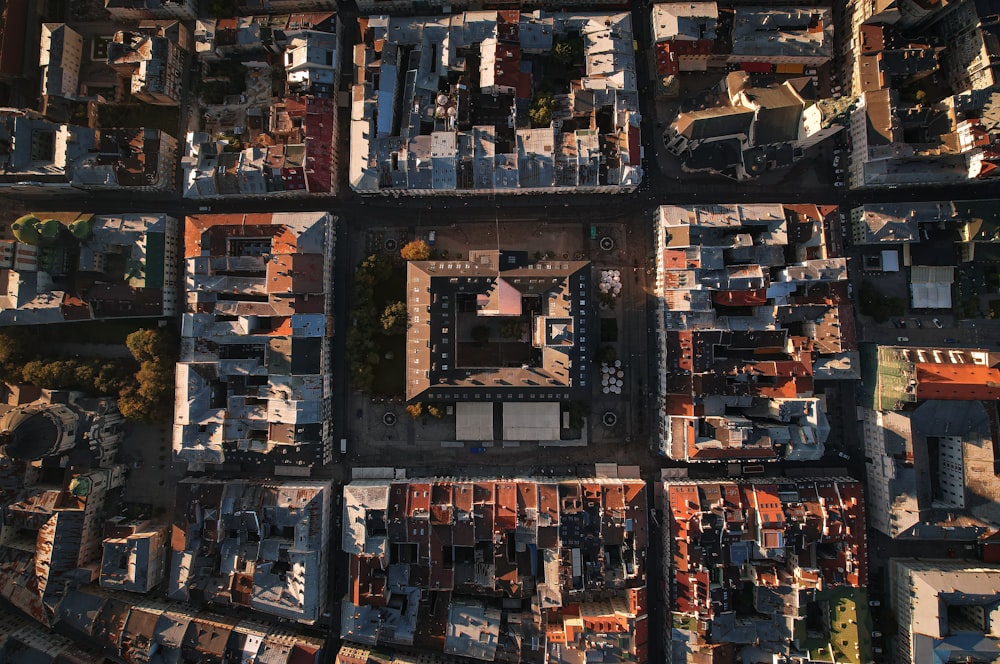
164	118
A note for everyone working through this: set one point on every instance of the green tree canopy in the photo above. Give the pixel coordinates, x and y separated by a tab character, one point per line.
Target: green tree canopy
541	110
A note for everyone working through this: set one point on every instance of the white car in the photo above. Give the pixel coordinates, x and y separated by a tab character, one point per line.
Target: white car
937	323
838	184
902	340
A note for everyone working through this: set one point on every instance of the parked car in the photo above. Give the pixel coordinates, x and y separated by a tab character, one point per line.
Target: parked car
917	322
937	323
874	602
843	455
951	341
836	161
838	184
477	450
902	340
902	323
877	634
835	88
810	72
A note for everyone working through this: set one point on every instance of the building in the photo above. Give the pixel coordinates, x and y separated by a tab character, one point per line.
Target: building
38	157
979	229
297	156
138	10
930	471
135	555
517	570
425	122
59	58
260	545
24	641
775	36
944	608
312	64
972	59
402	7
13	29
144	629
254	379
896	223
908	374
746	562
276	6
152	61
69	266
896	143
684	37
51	533
742	333
751	130
535	318
48	427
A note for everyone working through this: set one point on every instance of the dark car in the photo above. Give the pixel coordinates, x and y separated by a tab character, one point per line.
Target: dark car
478	450
951	341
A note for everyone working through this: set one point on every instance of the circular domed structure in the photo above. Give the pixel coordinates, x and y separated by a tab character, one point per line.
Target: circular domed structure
25	229
36	431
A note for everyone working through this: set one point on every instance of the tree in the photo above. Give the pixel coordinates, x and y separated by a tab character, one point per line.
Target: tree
541	110
568	52
417	250
415	410
563	53
151	344
435	410
373	270
394	318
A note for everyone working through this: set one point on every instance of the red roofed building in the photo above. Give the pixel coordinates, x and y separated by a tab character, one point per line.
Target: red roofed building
546	569
963	382
775	543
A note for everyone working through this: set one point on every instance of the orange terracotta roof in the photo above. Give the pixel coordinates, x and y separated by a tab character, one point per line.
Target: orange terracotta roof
966	382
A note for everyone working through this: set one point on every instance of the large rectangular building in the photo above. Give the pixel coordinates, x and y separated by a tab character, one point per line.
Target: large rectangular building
253	382
945	607
516	570
535	317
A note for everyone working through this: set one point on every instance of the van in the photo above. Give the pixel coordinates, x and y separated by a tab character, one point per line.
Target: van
431	236
343	446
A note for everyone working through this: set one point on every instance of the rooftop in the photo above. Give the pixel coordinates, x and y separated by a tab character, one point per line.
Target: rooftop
255	544
493	545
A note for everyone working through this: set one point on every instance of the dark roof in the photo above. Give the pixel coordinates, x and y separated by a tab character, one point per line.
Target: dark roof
32	434
447	298
713	122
